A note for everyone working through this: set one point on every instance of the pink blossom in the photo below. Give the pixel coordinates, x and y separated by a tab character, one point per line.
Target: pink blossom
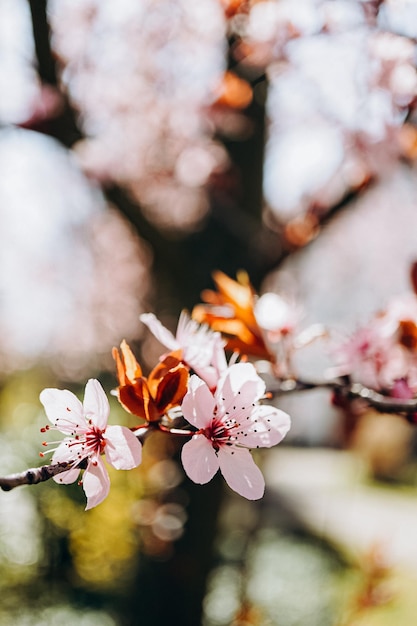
372	357
202	349
229	422
88	436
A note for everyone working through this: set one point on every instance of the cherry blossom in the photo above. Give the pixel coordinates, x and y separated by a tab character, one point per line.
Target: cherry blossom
372	356
202	349
89	436
229	423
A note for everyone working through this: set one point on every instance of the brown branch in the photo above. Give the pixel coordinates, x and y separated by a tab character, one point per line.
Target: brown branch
349	391
346	390
34	475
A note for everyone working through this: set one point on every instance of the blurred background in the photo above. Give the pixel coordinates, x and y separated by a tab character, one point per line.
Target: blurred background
142	146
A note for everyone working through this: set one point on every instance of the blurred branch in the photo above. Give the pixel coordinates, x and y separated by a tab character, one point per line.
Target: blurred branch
34	475
344	389
42	40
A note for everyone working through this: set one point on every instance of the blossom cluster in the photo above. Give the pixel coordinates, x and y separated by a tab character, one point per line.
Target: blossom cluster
220	403
205	389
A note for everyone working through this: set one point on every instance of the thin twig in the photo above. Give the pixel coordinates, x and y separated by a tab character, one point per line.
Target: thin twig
34	475
350	391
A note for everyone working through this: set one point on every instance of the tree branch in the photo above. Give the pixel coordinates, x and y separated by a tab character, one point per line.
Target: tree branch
344	388
349	391
34	475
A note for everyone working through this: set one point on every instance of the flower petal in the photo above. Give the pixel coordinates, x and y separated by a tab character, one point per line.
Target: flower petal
63	409
241	472
159	331
66	478
238	389
265	427
198	404
96	483
68	451
123	450
199	459
96	405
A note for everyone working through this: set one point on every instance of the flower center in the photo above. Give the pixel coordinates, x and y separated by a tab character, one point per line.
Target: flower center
220	432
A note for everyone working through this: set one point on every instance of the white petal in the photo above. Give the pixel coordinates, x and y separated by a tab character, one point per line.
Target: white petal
159	331
238	389
63	409
198	404
265	427
66	478
67	454
96	404
123	450
199	459
241	473
69	450
96	483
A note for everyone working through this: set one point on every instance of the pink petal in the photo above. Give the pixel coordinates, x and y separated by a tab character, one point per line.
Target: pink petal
123	450
96	483
199	459
66	454
63	409
238	389
208	374
241	473
159	331
198	404
96	405
66	478
219	356
69	450
265	427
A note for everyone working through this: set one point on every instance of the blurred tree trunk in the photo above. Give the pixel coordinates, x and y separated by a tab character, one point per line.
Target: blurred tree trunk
172	591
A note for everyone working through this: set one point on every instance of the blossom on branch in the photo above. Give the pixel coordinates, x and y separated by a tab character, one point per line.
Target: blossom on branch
88	437
202	350
383	353
229	423
149	397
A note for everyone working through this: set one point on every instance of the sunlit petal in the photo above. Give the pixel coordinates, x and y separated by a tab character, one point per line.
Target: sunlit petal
66	478
161	333
96	483
123	450
96	404
198	404
63	409
241	473
199	459
238	389
266	427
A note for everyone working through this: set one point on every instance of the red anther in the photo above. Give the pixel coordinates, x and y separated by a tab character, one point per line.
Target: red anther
44	443
41	454
269	395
